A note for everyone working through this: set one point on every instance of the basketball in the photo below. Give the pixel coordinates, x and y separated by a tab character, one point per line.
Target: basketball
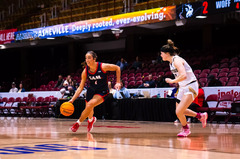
67	109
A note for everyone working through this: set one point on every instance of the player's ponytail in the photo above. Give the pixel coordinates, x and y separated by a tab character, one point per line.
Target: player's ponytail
170	48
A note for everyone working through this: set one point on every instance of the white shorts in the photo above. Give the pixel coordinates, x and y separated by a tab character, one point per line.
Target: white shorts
188	89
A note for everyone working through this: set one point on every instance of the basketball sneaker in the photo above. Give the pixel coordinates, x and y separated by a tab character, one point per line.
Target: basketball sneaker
184	133
203	119
75	127
90	124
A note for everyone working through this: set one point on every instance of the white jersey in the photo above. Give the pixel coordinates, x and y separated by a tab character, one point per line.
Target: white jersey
190	75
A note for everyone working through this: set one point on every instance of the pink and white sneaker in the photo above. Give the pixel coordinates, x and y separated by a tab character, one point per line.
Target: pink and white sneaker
90	124
75	127
184	133
203	119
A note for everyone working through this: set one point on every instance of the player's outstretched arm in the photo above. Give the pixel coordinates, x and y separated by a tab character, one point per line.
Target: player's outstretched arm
112	67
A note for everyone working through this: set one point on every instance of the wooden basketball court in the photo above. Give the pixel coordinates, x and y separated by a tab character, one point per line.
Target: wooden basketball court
39	138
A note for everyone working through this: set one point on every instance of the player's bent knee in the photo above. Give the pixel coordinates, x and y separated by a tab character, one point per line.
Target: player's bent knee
89	106
179	112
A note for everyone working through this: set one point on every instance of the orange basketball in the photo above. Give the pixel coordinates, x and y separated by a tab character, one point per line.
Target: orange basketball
67	109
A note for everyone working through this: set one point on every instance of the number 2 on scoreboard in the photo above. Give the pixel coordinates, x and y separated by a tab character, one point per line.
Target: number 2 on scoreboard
205	5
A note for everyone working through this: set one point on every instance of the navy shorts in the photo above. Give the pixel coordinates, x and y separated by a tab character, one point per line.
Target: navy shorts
91	92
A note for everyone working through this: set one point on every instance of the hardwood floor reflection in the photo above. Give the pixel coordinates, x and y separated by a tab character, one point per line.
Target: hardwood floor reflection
50	138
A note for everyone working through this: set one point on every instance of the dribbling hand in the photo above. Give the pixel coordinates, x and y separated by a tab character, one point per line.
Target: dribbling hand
70	101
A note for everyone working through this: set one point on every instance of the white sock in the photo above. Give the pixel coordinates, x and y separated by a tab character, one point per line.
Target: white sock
90	120
78	122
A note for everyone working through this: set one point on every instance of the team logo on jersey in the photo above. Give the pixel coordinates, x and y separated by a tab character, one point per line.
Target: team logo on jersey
95	77
174	70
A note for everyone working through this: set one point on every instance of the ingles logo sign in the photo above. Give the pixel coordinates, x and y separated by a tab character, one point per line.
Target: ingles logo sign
43	148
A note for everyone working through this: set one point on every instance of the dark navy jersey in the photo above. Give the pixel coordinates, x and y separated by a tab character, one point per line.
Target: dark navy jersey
98	79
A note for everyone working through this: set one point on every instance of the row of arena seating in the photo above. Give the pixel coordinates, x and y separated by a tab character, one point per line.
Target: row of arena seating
229	76
219	105
27	106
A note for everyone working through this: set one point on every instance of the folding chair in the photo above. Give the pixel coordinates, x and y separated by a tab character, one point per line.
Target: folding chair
235	109
223	109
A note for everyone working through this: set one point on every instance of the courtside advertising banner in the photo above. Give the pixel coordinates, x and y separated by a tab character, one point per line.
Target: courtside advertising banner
99	24
7	36
221	91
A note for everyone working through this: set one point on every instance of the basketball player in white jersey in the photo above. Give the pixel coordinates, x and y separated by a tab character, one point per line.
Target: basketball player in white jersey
188	86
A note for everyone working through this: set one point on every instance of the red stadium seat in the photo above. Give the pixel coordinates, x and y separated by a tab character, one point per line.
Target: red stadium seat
168	74
58	89
204	80
234	79
131	75
223	79
154	77
146	78
124	79
124	75
138	83
234	69
223	74
224	70
232	83
207	71
33	89
234	64
145	74
203	75
224	65
131	84
215	70
39	89
232	74
197	71
131	79
138	78
39	100
215	66
51	82
160	73
43	86
154	73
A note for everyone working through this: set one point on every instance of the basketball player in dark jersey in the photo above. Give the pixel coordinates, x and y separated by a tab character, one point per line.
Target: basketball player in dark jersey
98	90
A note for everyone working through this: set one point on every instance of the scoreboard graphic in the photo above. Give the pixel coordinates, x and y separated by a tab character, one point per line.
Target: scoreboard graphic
206	7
